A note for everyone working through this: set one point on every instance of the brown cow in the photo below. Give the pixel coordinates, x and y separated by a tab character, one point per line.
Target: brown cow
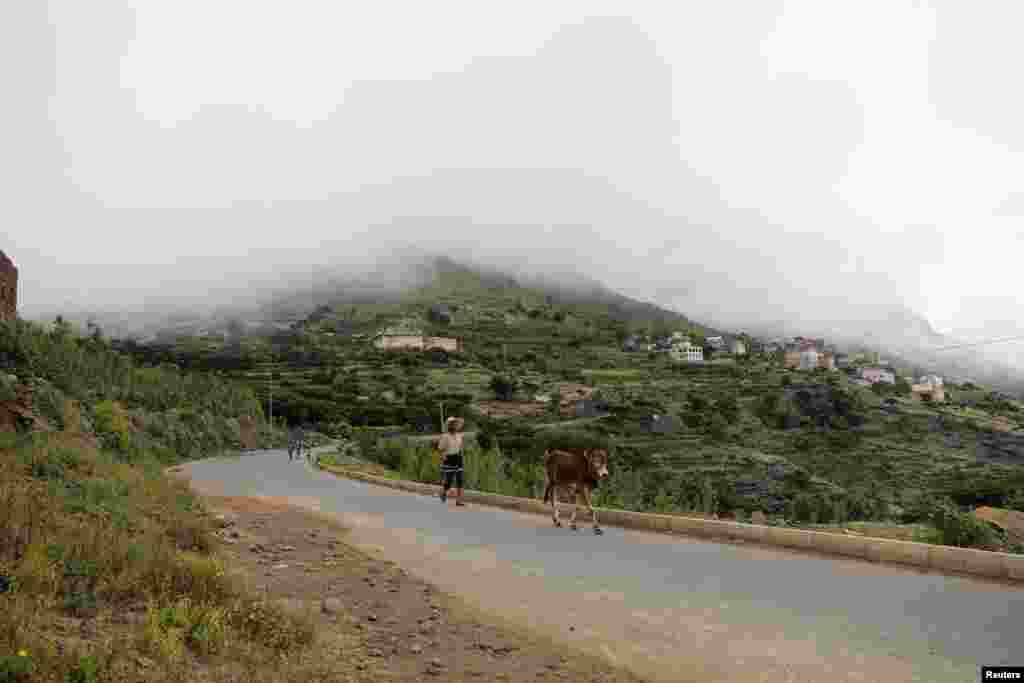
578	471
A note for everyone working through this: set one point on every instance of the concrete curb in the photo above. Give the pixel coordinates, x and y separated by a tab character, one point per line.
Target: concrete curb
936	558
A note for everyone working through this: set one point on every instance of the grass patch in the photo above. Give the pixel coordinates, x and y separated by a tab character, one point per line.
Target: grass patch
86	538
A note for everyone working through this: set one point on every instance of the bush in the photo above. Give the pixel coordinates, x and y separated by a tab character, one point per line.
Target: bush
112	424
717	427
338	429
696	402
960	529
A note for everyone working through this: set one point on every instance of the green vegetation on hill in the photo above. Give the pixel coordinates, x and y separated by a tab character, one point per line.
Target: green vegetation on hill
107	566
745	434
131	408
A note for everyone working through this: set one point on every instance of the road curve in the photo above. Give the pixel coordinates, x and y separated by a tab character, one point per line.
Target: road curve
670	608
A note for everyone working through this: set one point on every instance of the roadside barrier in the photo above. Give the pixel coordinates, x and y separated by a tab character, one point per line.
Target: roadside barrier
938	558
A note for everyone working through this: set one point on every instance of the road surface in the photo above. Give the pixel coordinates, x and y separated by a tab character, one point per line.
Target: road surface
670	608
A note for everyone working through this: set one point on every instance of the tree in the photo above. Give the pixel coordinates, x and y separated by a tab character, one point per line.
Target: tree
709	502
717	427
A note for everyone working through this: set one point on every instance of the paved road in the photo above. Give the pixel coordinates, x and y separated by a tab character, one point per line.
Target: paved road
671	608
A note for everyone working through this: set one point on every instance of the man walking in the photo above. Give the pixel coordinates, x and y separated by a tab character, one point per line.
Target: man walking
452	470
295	443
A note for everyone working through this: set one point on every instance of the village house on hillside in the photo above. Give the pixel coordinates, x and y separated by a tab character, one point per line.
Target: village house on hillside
397	340
735	345
808	354
809	359
929	388
791	356
579	400
686	352
8	288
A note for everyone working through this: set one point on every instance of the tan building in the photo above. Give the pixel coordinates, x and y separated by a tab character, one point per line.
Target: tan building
449	344
396	342
8	288
930	388
791	359
1001	423
827	360
416	342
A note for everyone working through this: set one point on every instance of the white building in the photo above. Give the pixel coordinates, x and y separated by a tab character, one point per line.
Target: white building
808	360
686	352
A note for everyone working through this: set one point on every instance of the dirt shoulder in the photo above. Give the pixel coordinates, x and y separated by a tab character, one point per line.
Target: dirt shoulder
394	626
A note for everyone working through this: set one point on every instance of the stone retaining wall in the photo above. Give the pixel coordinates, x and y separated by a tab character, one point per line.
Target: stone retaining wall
943	559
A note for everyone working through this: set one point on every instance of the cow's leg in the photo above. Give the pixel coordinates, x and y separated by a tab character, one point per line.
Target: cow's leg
575	507
554	505
593	512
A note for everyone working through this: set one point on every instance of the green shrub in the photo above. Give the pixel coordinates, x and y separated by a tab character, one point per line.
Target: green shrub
960	529
112	424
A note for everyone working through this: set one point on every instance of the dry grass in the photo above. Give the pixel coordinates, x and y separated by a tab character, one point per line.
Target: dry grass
107	573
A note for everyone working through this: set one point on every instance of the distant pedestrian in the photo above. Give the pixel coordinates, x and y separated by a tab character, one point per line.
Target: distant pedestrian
295	439
452	464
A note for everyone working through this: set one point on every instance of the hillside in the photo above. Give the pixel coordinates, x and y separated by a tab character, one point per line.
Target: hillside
744	434
109	569
909	340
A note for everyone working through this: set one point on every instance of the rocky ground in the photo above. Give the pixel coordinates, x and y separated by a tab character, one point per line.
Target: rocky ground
396	627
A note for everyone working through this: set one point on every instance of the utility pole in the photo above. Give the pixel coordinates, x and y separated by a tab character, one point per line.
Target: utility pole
270	393
441	403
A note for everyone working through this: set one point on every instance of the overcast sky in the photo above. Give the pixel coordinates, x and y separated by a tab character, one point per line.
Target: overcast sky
785	160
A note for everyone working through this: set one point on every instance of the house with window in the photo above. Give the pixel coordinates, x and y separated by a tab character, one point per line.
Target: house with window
717	343
686	352
809	359
8	288
409	341
928	389
791	357
737	346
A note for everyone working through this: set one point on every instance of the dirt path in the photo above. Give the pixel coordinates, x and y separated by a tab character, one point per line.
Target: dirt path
396	627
